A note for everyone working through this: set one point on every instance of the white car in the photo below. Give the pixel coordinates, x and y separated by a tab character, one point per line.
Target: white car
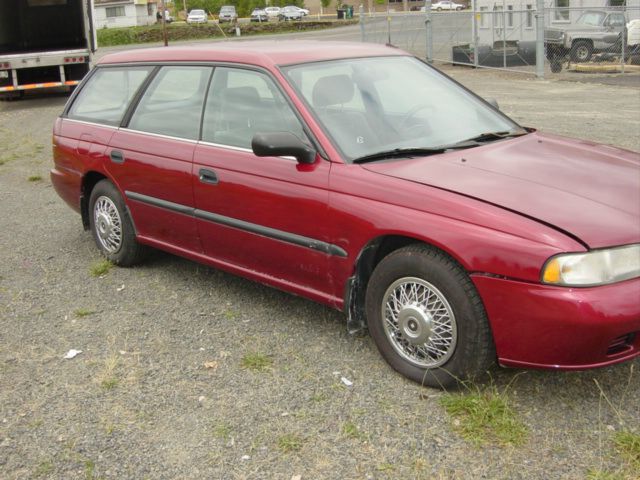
197	16
272	12
446	5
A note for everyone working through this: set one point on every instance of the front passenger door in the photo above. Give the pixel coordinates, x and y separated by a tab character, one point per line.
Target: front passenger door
266	215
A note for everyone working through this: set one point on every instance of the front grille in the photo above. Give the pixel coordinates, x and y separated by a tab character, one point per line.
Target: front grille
621	344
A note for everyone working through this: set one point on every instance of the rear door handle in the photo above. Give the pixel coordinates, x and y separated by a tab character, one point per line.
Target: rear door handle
208	176
116	156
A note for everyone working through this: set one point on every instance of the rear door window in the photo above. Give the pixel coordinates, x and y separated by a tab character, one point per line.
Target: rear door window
172	104
107	94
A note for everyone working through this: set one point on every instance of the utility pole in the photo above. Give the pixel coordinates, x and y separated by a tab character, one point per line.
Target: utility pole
164	25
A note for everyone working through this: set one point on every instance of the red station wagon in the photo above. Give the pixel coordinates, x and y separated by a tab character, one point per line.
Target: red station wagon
360	177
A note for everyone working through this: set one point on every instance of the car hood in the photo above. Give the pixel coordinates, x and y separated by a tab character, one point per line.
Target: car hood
587	190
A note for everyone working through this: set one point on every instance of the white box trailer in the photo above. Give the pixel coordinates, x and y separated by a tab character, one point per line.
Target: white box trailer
44	44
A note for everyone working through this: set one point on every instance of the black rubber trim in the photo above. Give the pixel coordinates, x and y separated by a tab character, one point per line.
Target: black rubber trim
157	202
287	237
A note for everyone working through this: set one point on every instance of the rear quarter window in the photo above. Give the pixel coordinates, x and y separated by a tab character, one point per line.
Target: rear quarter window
105	97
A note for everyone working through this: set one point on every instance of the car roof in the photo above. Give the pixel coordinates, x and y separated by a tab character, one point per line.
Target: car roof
262	53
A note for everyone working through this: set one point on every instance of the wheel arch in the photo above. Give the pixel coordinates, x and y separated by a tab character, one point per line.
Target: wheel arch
367	260
89	181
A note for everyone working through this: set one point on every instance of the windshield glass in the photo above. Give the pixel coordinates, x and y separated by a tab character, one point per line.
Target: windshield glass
372	105
197	12
591	18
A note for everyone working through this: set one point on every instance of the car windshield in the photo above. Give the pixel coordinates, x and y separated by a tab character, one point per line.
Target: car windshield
197	12
228	9
389	104
594	19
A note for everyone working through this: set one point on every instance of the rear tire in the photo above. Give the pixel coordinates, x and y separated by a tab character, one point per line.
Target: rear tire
426	318
111	226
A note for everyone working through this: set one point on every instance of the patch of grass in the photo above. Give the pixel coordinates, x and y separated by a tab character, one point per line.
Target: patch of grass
101	268
222	431
7	158
627	444
83	312
290	442
257	361
484	416
44	468
230	314
89	470
107	378
602	475
34	178
351	430
384	467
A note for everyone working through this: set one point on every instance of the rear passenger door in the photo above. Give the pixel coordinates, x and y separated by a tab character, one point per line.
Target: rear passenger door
259	214
150	156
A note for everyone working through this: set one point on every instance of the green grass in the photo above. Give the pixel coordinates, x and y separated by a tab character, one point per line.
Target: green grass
350	430
602	475
290	443
83	312
627	444
222	431
43	469
101	268
34	178
483	416
256	361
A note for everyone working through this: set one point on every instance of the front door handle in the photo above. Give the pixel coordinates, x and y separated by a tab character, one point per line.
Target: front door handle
116	156
208	176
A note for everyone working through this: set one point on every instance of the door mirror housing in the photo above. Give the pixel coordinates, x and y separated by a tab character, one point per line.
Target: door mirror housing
282	144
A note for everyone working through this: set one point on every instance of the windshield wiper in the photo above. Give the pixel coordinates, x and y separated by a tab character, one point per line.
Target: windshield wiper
399	153
489	136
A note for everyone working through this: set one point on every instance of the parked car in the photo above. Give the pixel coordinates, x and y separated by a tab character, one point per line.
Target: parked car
446	5
457	236
290	12
167	16
197	16
272	12
594	31
227	14
259	15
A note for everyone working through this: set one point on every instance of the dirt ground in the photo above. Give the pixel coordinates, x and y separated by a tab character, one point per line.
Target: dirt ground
169	384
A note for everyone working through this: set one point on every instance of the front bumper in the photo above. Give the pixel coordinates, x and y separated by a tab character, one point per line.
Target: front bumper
542	326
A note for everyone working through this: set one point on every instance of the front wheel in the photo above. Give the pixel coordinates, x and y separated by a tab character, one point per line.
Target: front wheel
427	319
111	226
581	51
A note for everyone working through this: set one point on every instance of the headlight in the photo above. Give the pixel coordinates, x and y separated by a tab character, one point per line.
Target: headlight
598	267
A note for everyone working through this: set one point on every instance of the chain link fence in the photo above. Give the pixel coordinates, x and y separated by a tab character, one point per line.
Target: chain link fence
516	35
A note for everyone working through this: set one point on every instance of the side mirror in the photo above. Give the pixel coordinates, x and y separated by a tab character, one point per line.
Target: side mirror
282	144
493	102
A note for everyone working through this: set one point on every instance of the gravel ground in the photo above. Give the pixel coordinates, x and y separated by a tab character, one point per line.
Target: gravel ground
161	391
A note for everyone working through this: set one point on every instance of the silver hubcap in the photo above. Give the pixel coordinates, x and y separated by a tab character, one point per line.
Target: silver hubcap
107	224
419	322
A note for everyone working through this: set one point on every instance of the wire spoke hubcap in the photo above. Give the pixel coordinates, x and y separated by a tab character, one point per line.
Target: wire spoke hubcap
107	224
419	322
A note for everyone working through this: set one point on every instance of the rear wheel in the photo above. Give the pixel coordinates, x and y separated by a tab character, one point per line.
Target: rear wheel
111	226
427	319
581	51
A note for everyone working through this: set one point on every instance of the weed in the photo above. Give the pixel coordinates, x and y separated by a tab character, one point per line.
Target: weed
222	431
256	361
101	268
107	378
290	443
485	415
350	430
83	312
43	469
34	178
230	314
89	469
602	475
384	467
628	446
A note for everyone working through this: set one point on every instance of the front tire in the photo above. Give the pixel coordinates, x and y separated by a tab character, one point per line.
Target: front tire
427	319
111	226
581	51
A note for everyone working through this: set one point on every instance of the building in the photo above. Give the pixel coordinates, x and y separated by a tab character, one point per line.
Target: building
124	13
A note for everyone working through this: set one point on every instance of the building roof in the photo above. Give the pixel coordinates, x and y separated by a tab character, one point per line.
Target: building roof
262	53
